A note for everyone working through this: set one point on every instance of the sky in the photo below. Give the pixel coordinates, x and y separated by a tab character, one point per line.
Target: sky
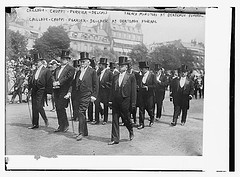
156	27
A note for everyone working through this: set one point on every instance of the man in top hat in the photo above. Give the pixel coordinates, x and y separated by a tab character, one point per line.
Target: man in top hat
123	96
146	94
85	85
105	83
161	84
181	91
62	81
113	68
40	84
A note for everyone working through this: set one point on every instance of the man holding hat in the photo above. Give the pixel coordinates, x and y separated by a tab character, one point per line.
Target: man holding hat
123	96
62	81
40	84
146	94
161	84
105	83
182	91
85	85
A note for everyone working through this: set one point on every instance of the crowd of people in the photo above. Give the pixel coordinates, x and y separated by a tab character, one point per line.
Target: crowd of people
84	85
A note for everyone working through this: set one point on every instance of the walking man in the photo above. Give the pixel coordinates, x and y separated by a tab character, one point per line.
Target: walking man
40	84
123	96
62	81
85	86
182	91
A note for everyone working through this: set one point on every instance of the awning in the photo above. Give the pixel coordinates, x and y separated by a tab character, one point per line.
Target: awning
126	42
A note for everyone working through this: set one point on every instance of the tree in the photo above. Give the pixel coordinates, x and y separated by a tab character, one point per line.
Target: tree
98	53
16	45
52	42
138	53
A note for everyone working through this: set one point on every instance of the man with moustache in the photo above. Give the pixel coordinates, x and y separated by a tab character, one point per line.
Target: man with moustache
85	85
146	94
123	96
182	91
40	84
62	81
161	84
105	83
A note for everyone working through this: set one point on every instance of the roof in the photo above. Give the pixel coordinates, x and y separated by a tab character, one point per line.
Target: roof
126	28
85	29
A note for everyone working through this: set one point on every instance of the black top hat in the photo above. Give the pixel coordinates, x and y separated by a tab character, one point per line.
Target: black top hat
157	67
75	63
84	56
112	65
183	68
143	64
123	60
103	61
37	57
92	64
65	54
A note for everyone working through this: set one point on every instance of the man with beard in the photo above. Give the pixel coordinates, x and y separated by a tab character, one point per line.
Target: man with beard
182	91
85	85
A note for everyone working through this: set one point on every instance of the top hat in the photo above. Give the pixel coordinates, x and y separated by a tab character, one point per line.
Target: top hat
157	67
112	65
37	57
123	60
183	68
143	64
103	61
65	54
75	63
84	56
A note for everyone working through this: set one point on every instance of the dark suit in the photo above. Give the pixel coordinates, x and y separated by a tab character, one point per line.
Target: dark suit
40	87
18	88
123	97
105	85
181	98
146	98
61	103
84	89
160	89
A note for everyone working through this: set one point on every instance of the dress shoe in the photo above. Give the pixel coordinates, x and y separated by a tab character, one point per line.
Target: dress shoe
112	143
173	123
57	130
95	123
131	135
140	127
79	137
182	124
104	123
65	129
33	127
150	124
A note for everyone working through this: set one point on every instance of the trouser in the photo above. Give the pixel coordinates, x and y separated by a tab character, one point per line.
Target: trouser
147	104
177	111
19	93
90	111
82	104
159	109
120	108
104	111
37	106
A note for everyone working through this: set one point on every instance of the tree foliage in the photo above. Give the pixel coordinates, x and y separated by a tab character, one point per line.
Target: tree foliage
16	45
51	43
138	53
110	54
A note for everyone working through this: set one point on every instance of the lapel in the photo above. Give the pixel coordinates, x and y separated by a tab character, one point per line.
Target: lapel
63	71
116	81
125	79
56	73
148	78
86	72
77	77
103	77
41	72
185	84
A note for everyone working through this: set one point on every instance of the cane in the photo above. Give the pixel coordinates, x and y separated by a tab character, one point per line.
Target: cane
70	106
29	106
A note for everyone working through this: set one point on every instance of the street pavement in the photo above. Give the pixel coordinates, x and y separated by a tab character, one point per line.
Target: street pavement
161	139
